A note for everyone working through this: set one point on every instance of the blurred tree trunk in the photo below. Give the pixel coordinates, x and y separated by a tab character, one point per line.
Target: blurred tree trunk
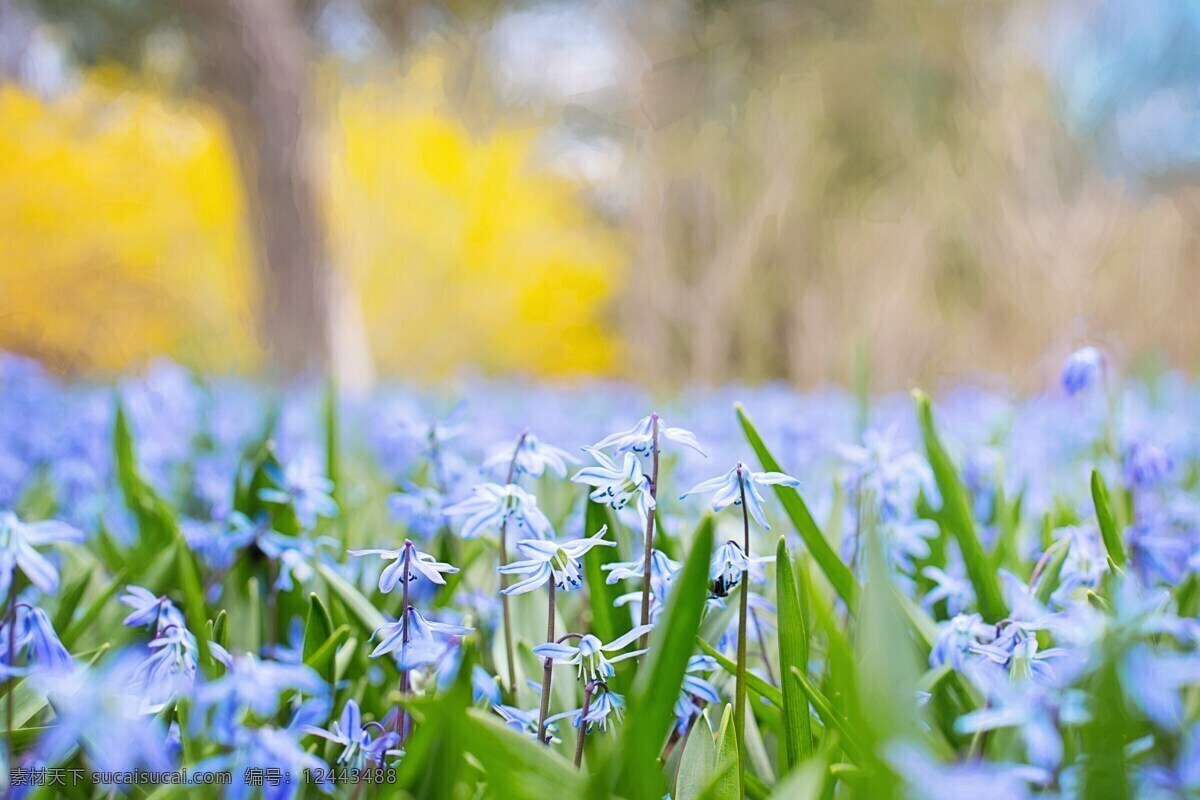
254	57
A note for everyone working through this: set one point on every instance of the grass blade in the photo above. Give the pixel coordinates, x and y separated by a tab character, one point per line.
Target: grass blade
793	652
1108	522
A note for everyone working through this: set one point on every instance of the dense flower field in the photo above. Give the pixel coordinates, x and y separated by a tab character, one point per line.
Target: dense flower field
548	592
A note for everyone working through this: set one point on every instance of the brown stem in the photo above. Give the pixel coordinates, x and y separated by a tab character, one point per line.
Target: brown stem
650	530
547	673
583	712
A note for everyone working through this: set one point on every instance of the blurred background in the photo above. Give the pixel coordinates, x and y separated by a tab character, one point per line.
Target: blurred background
667	191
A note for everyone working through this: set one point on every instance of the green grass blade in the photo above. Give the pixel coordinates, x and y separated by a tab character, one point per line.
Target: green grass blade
656	687
360	608
956	516
753	682
698	763
1109	530
605	622
835	571
793	652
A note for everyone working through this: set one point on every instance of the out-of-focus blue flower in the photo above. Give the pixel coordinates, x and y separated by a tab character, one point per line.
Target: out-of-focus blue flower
251	685
893	477
951	586
662	570
1086	562
303	488
419	509
927	779
589	653
485	686
530	456
1146	465
35	637
98	710
957	639
1035	710
1154	681
604	704
18	541
728	490
360	746
617	486
1082	369
558	560
269	748
727	565
694	690
426	640
295	555
149	609
640	438
492	505
407	558
526	722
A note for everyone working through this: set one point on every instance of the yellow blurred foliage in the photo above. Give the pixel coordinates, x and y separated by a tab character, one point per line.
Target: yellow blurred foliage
122	235
462	252
120	231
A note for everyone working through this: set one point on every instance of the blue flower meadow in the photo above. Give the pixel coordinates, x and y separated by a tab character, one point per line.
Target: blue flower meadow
546	591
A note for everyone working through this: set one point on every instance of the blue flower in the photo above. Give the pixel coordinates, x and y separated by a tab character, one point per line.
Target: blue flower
604	704
419	509
662	570
35	637
617	486
426	640
1082	369
729	488
251	685
957	639
408	556
491	505
294	554
639	439
729	563
694	690
485	686
98	710
149	609
360	746
545	560
589	653
1146	465
530	456
304	489
526	722
18	541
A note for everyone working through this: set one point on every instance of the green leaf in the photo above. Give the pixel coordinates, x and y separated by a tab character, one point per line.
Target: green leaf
330	413
656	687
793	652
838	573
831	718
193	598
604	622
221	629
93	611
1109	531
69	597
318	631
725	783
957	518
698	763
1048	580
753	682
322	657
515	765
367	615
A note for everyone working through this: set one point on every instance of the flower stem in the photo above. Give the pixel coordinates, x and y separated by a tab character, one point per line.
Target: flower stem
650	530
508	642
547	673
583	712
739	712
402	716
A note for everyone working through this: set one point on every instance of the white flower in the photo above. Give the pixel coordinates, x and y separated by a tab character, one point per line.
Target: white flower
728	490
589	656
547	559
640	438
492	504
617	486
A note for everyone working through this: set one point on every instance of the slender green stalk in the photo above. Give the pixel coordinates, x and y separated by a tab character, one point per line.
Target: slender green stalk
547	673
650	530
508	642
739	712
